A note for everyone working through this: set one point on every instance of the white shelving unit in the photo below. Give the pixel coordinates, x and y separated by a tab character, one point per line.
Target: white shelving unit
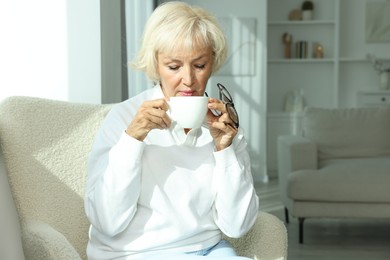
330	82
317	77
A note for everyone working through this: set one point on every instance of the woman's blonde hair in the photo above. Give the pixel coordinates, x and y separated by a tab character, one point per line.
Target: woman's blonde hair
179	26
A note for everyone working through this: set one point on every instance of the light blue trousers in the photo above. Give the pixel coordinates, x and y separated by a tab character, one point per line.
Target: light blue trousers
221	251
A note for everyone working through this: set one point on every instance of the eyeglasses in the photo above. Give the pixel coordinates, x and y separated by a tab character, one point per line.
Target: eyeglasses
225	96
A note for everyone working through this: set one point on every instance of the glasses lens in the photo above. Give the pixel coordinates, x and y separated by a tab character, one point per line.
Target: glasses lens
232	113
224	94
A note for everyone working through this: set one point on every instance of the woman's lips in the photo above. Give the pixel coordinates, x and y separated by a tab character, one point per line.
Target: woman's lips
186	93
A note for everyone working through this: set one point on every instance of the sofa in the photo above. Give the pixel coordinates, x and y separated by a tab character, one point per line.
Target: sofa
44	148
339	167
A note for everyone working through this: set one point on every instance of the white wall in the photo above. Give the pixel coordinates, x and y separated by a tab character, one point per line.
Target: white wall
137	14
84	51
50	49
33	48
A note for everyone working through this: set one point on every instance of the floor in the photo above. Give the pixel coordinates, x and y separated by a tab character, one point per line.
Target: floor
329	238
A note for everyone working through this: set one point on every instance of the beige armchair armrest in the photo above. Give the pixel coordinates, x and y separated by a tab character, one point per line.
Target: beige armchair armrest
267	240
294	153
10	232
43	242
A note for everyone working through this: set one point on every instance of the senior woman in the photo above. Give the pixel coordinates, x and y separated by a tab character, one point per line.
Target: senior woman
154	189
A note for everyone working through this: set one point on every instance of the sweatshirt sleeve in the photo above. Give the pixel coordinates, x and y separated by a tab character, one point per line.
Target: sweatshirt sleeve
236	203
114	177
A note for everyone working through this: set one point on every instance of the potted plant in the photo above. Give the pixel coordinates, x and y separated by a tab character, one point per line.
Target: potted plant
307	10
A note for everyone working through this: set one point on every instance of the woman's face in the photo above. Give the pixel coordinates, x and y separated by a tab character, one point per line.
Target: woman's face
185	73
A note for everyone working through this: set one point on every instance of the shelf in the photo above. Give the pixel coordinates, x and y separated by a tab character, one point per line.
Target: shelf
287	61
353	60
312	22
374	92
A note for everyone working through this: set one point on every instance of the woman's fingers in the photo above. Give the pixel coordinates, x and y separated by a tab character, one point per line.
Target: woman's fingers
223	117
159	118
216	104
151	115
155	112
221	126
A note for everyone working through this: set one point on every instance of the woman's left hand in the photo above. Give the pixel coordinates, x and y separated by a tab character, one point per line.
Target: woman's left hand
221	127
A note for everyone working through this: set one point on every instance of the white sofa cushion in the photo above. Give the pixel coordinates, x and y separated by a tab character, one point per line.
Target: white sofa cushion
363	180
348	133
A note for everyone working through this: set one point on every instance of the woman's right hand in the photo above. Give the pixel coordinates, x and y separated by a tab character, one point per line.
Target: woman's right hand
151	115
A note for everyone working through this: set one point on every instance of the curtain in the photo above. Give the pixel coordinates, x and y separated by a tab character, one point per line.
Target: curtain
137	13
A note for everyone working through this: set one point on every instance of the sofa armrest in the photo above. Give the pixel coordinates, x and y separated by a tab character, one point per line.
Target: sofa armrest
43	242
267	240
294	153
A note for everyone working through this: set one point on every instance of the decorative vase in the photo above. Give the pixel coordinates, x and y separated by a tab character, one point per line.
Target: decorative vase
307	15
307	10
384	80
295	101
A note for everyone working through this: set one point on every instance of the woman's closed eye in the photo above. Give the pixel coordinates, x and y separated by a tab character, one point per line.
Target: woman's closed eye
173	67
200	66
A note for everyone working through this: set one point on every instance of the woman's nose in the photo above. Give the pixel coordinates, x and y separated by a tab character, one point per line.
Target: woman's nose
188	76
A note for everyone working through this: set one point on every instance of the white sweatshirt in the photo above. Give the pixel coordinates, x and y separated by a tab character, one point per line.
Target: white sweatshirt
170	193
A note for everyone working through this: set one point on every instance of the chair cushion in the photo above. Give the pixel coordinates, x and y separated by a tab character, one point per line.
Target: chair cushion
348	133
343	180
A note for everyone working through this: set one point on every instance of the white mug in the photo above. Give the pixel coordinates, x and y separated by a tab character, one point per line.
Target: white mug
188	111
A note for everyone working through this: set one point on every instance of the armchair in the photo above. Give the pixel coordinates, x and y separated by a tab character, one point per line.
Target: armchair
339	167
45	144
